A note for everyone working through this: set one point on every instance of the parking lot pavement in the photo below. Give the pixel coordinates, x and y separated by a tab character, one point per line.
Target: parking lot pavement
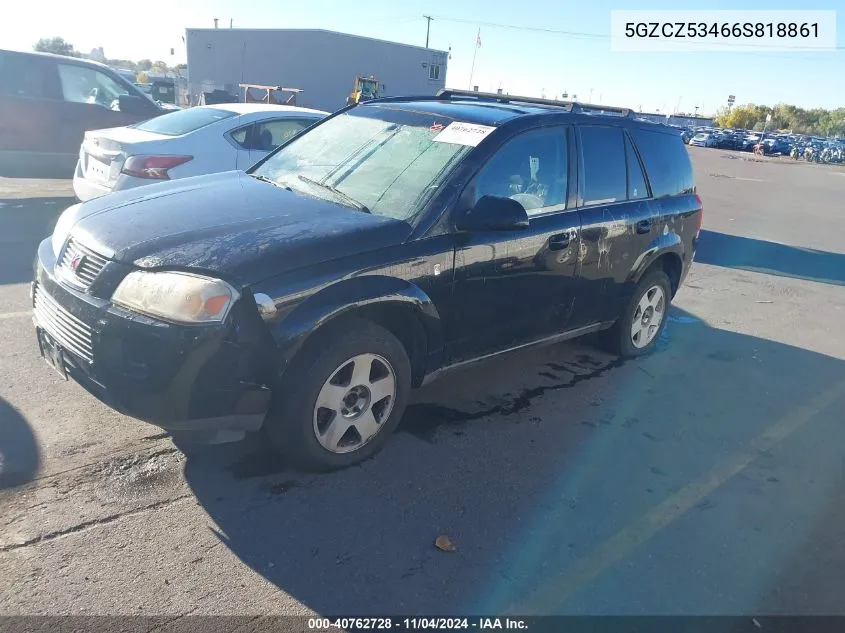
705	479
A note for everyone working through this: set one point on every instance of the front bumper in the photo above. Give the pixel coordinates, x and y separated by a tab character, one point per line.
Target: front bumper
178	377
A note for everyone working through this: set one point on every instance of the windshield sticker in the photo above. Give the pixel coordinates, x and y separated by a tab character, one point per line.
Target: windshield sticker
463	133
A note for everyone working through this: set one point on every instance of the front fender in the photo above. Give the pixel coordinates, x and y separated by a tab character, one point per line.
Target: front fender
346	296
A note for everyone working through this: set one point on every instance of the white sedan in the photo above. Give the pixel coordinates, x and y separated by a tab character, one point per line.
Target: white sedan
191	142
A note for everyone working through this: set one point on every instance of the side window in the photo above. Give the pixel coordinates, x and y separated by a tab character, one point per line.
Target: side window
605	172
666	162
531	168
434	71
81	84
240	136
21	76
270	134
637	188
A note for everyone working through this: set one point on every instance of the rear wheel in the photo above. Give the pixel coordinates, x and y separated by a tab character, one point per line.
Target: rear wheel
637	330
341	398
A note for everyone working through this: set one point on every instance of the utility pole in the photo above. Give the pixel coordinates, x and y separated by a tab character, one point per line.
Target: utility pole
428	19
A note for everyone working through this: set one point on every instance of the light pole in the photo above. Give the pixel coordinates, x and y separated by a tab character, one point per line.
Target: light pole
428	19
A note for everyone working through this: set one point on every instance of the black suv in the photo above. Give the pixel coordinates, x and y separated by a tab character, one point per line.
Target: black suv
393	241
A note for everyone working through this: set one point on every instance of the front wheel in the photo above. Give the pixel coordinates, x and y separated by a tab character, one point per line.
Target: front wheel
637	330
340	400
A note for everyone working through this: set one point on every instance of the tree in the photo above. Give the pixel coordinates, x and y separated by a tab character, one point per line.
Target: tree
122	63
144	64
142	78
55	45
159	67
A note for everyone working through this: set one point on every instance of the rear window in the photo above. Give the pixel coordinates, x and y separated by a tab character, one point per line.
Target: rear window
183	121
666	161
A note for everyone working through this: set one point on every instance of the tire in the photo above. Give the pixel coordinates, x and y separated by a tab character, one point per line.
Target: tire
334	369
620	339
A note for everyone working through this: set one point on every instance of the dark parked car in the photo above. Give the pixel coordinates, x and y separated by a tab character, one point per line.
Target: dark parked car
389	243
48	102
727	141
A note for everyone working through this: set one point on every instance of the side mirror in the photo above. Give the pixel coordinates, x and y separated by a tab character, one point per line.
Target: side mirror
130	104
492	213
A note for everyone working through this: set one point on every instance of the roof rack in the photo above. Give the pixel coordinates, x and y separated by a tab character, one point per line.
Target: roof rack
569	106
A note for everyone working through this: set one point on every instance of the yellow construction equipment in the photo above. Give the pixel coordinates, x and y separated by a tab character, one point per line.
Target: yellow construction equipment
365	88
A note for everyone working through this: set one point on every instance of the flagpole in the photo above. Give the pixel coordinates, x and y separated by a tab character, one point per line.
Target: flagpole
472	69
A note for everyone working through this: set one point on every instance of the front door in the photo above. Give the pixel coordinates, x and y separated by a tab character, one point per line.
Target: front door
516	286
90	102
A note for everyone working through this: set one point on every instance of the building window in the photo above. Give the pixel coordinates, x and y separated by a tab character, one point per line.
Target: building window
434	71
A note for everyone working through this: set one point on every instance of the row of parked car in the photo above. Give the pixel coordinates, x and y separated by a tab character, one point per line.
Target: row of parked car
771	144
298	272
67	117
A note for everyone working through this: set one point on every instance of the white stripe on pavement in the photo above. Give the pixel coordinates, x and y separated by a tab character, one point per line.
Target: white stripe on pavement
15	315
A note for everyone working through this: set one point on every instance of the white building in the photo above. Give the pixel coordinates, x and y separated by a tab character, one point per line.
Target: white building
323	64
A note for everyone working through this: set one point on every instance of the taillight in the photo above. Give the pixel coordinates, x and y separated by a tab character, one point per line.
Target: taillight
154	167
700	214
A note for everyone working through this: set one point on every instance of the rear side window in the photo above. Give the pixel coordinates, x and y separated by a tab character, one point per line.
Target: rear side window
183	121
666	161
605	171
270	134
21	76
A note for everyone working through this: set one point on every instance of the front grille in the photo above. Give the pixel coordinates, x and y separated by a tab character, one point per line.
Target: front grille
70	332
88	264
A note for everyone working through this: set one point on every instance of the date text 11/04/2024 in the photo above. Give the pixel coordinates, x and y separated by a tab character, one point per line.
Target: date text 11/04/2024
416	624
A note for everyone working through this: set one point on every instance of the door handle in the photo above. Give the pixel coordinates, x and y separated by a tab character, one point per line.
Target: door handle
560	241
643	226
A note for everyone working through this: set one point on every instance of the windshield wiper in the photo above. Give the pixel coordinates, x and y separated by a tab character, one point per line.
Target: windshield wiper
264	178
337	192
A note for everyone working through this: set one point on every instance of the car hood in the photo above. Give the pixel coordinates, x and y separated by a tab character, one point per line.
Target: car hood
229	224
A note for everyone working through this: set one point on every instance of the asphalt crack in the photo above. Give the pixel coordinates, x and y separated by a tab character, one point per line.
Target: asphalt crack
80	527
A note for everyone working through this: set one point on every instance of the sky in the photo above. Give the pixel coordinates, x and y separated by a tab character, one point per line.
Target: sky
517	59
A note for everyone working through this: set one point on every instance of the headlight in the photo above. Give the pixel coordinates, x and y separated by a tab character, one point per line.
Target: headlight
63	226
176	296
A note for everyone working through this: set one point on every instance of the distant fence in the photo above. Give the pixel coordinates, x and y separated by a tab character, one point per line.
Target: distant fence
676	119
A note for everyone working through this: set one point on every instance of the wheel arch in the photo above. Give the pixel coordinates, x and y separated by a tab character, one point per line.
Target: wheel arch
399	306
666	253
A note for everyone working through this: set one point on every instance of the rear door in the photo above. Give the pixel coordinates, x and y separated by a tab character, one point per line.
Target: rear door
255	140
29	122
270	134
618	220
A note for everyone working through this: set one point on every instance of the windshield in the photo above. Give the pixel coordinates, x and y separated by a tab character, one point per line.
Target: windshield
183	121
385	161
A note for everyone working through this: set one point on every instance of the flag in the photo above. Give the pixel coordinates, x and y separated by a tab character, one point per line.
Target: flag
478	39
